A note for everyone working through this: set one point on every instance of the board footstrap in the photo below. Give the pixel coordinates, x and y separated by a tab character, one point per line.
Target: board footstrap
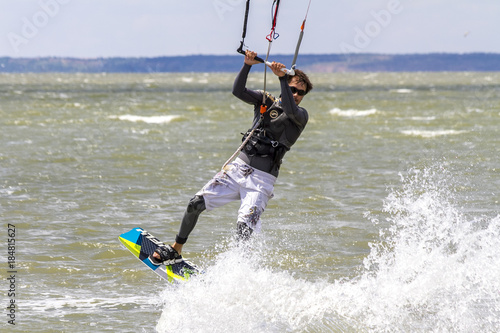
142	244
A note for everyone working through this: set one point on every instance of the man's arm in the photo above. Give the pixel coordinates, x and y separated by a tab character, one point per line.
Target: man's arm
239	86
297	114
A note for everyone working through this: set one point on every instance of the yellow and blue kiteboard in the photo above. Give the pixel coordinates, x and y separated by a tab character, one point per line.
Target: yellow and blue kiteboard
142	244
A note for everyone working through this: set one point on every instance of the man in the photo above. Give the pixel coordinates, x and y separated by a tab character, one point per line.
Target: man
251	177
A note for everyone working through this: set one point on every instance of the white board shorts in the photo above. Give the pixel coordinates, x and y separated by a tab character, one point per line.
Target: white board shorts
239	181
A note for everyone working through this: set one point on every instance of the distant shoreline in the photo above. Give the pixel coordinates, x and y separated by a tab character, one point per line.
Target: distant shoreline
316	63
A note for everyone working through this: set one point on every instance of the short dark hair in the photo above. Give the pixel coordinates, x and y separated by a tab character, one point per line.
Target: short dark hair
302	78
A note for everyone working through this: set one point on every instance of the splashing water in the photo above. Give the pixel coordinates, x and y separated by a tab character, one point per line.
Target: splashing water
239	294
433	270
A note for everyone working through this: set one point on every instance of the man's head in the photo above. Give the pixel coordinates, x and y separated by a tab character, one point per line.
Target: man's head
300	85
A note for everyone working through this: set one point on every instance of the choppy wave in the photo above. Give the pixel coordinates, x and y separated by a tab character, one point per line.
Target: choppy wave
59	306
431	134
426	118
402	91
150	120
353	112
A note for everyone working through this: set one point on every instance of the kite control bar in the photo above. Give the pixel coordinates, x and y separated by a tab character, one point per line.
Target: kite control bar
290	72
240	50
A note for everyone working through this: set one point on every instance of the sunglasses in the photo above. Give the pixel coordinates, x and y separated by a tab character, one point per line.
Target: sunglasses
298	91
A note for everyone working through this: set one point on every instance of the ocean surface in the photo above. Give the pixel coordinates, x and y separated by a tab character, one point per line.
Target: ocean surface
386	215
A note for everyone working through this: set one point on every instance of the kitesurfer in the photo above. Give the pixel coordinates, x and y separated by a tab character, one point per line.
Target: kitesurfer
252	175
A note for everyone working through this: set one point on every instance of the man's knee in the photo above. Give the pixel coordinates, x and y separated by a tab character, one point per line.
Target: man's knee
196	204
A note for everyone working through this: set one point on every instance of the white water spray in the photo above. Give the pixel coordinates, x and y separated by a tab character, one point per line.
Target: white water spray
433	270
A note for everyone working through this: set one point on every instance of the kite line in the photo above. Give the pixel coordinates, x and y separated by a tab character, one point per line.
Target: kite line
273	34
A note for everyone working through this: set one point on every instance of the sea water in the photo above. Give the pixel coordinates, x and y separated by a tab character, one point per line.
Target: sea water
386	216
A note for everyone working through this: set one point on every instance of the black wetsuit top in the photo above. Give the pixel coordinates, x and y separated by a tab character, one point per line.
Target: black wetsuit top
281	126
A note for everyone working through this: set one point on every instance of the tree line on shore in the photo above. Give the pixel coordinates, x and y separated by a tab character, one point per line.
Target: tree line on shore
328	63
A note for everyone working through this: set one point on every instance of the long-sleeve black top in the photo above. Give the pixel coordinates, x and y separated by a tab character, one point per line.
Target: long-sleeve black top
283	122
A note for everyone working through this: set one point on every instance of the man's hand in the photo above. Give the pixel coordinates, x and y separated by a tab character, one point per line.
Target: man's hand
250	58
277	68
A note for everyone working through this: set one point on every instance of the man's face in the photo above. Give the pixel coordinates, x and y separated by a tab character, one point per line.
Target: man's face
298	88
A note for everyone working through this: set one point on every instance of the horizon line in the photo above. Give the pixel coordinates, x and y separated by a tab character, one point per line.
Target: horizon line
236	55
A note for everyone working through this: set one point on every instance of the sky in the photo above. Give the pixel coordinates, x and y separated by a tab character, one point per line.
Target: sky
151	28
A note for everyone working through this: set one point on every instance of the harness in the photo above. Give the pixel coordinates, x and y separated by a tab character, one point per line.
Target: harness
262	145
267	140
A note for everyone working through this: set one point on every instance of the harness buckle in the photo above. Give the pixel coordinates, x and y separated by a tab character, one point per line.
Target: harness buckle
274	144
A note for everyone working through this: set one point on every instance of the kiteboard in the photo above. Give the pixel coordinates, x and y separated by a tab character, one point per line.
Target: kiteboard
142	244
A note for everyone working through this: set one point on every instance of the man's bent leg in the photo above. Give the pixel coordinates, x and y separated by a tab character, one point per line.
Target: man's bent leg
195	207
